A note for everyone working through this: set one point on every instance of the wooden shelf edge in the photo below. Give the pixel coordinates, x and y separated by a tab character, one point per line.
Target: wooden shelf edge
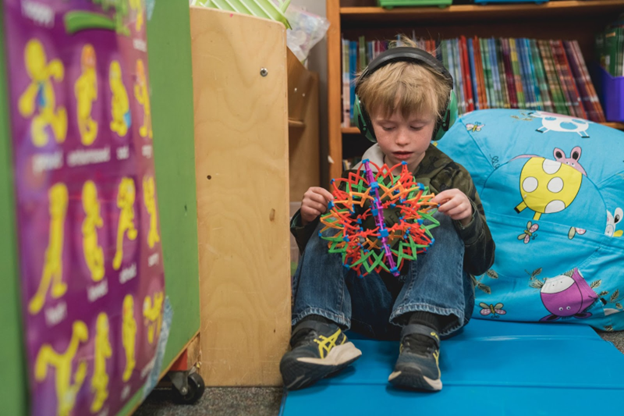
614	124
355	130
350	130
560	8
296	124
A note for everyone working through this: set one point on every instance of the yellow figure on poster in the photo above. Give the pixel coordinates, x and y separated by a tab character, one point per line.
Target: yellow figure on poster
120	105
86	93
128	335
39	98
150	204
125	202
103	350
93	253
152	312
53	262
137	7
142	95
65	391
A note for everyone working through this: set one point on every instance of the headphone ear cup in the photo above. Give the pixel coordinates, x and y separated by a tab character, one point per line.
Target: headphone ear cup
449	117
452	109
363	120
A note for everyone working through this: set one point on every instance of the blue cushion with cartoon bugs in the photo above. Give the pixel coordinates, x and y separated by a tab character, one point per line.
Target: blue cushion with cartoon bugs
553	190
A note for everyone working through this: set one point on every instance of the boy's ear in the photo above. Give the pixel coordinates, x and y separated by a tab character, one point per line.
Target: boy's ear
448	118
363	121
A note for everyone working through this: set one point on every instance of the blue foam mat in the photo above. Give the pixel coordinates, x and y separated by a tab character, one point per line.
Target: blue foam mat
491	368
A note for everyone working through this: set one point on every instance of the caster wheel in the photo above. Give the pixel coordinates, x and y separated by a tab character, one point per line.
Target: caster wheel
196	388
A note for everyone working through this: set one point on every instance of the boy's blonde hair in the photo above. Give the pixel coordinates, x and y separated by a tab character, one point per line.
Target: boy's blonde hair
404	86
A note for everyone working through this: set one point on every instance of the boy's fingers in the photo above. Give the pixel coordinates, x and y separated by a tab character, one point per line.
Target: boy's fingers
317	201
447	205
319	207
325	193
319	190
311	205
455	212
442	197
322	198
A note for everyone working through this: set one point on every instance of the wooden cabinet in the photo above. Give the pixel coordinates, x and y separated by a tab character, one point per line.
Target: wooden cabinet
241	157
569	19
303	128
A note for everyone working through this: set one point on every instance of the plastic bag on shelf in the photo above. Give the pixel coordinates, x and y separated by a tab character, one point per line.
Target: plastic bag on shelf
307	30
267	9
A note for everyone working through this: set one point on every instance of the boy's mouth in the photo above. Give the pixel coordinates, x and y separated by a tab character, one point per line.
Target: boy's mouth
402	155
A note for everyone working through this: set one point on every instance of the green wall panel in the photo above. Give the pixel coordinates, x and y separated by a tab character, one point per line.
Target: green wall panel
13	394
169	46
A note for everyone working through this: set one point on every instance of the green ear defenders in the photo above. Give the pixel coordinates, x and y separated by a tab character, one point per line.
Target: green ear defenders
419	57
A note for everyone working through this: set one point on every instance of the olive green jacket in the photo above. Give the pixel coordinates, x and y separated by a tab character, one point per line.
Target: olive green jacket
439	173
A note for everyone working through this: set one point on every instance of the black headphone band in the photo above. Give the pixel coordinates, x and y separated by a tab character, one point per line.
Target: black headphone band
405	54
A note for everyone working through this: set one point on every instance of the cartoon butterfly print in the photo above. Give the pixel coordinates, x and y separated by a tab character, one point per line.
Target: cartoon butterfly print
474	127
574	231
529	234
495	310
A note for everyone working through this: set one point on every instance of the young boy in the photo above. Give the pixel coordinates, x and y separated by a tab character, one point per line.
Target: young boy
404	94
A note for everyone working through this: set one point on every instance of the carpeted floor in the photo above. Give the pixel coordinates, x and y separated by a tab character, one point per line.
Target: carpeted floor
249	401
217	401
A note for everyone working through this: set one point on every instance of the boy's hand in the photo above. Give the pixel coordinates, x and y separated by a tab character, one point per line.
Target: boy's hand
455	204
314	203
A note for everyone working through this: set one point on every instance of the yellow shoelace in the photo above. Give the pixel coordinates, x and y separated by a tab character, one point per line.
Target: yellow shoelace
327	343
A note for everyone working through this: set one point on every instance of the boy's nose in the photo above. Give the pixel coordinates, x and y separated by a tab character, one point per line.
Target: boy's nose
402	137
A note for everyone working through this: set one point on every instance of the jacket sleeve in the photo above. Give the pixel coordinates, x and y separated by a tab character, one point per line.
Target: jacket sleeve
302	233
478	242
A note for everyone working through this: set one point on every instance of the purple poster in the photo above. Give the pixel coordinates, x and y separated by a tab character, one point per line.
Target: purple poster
89	239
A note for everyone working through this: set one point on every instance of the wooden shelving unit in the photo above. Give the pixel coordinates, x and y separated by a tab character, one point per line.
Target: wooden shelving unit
553	9
619	126
571	20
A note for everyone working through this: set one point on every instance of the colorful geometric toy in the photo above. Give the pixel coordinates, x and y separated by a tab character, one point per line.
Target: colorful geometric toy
379	219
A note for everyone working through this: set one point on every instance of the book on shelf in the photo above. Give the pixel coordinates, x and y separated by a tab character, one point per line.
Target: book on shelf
538	75
502	74
353	53
487	75
509	74
472	70
480	75
346	81
610	48
498	91
593	96
515	66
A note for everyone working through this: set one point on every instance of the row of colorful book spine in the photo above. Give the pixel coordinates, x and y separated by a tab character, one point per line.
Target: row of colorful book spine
537	75
610	48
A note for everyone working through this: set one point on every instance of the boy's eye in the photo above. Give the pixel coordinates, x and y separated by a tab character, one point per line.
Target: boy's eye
386	128
416	128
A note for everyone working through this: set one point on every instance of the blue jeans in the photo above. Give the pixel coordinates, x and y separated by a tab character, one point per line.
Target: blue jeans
434	283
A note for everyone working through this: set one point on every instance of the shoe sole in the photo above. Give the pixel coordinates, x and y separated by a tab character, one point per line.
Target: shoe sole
305	371
414	380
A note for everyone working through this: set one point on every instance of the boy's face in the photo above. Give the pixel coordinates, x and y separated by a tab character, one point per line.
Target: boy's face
403	140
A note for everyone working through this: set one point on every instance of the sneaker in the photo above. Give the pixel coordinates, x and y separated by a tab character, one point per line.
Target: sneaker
318	350
417	366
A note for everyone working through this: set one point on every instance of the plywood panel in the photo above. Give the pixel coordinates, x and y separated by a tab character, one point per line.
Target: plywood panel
304	152
241	158
299	83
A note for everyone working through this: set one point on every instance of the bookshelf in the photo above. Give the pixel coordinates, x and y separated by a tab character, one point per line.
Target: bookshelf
567	20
